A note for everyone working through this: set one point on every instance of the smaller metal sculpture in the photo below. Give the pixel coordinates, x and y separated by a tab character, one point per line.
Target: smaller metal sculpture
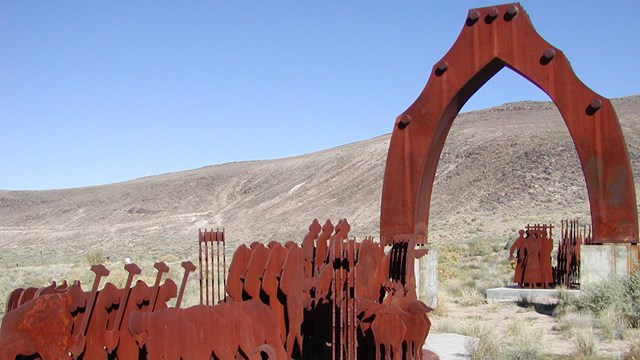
532	251
212	265
567	270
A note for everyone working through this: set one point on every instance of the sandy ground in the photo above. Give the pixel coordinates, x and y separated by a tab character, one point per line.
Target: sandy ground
499	316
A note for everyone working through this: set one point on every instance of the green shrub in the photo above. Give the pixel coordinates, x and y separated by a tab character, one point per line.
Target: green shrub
621	294
95	257
481	247
448	260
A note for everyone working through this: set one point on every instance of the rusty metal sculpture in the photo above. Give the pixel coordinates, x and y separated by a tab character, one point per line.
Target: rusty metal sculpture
330	297
492	38
333	297
533	257
70	323
567	270
213	266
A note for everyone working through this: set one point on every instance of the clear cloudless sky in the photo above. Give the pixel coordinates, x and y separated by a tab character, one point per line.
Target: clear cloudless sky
99	92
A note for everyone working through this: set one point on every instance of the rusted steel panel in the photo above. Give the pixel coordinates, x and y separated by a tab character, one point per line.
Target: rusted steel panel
492	38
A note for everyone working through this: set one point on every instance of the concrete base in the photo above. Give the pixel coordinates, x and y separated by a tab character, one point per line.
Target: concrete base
600	262
448	346
539	296
426	273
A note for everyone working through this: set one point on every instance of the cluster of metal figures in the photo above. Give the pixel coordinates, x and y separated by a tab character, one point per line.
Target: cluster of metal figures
62	322
567	270
533	257
330	297
531	254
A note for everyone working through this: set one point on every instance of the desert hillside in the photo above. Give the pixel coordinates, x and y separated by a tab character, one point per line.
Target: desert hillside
501	168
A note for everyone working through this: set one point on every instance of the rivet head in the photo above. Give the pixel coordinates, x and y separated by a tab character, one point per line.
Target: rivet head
594	105
512	10
474	15
549	54
491	16
403	121
441	67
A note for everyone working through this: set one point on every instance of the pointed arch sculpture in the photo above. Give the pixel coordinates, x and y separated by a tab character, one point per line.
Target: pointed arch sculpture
492	38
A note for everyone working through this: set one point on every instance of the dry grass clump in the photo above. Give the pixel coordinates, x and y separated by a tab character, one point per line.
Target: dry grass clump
471	297
525	342
584	341
448	325
634	351
612	324
526	301
484	342
571	321
95	257
443	304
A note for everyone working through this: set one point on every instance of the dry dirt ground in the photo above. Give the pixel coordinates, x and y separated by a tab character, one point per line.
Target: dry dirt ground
499	317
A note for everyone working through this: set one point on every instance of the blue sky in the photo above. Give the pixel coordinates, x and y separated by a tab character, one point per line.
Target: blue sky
100	92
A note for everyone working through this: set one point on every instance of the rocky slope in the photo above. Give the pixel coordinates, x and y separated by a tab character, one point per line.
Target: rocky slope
501	168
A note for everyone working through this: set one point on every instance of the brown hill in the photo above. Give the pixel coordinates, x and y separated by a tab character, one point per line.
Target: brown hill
501	168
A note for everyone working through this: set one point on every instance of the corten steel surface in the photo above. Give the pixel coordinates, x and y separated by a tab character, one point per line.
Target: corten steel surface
215	265
62	322
492	38
567	271
532	254
330	297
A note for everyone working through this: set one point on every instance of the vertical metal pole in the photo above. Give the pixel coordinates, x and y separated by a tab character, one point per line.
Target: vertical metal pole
206	262
213	274
341	299
346	322
349	302
332	252
356	257
224	266
218	262
200	237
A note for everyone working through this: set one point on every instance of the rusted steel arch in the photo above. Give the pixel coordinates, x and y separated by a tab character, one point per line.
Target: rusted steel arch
491	39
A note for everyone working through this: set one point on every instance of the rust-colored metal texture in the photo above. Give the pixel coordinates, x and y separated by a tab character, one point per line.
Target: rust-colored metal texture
567	270
532	254
326	292
211	247
493	38
63	322
330	297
